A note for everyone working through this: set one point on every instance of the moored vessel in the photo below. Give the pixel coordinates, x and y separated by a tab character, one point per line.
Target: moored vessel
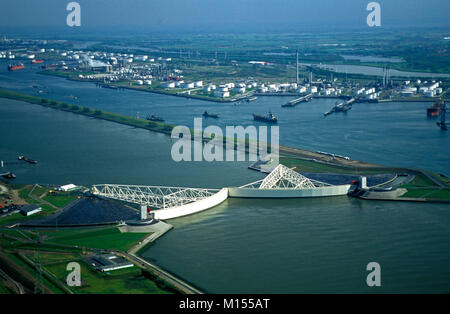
31	161
155	118
269	118
16	67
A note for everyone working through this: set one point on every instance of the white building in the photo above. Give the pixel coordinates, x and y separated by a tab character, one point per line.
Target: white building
68	187
409	90
188	85
29	210
168	85
141	58
430	93
263	89
223	88
222	94
423	89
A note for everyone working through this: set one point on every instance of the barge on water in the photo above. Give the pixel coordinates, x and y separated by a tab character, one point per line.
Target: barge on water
295	102
16	67
31	161
269	118
341	107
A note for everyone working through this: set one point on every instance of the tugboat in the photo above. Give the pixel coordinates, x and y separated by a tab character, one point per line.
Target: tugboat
269	118
206	114
31	161
155	118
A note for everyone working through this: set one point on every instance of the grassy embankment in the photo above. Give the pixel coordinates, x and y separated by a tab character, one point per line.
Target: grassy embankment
423	187
303	164
97	238
78	245
95	113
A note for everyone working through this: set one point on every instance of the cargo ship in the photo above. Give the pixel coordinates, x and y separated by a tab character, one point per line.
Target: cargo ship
435	110
16	67
269	118
155	118
294	102
206	114
31	161
341	107
37	61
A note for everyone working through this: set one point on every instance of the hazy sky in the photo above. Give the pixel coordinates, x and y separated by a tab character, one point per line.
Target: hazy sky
217	14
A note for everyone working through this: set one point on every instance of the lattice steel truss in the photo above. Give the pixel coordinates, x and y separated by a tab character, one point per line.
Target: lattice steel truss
284	178
159	197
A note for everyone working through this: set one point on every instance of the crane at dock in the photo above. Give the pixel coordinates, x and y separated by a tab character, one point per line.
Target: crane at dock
443	124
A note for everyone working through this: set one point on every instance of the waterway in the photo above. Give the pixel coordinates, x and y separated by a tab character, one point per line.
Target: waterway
376	71
257	246
397	134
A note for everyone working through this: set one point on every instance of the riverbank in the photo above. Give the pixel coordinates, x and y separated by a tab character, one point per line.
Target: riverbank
165	128
185	94
127	85
304	160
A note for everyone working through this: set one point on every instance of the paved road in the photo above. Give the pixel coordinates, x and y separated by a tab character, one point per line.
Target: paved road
18	286
183	286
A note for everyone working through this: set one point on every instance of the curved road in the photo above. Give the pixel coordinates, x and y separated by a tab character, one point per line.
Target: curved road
183	286
18	286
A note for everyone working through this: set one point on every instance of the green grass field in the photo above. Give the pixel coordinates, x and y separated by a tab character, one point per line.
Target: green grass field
428	193
23	194
32	271
124	281
59	200
3	289
55	257
99	238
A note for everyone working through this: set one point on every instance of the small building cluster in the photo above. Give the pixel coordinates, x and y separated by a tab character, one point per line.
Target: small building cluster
109	262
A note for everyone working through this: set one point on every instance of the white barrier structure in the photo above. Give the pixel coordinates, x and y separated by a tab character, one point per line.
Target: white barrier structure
166	202
173	202
283	182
